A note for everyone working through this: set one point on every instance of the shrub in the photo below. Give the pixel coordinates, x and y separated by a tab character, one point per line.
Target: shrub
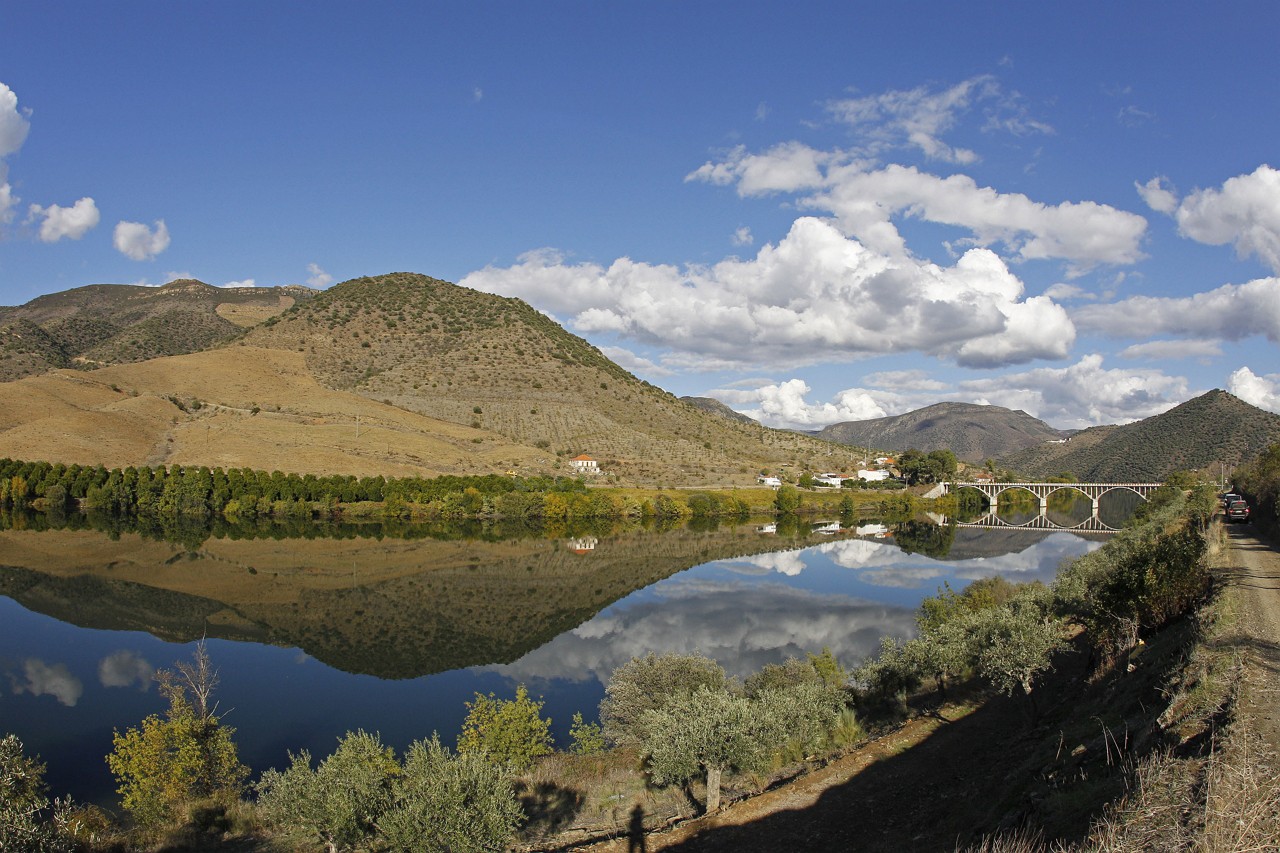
509	732
169	763
338	802
444	802
588	738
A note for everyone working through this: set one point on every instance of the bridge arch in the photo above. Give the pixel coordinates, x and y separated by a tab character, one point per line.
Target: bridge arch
1092	491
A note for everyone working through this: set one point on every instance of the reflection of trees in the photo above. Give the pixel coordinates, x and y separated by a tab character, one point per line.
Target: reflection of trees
925	537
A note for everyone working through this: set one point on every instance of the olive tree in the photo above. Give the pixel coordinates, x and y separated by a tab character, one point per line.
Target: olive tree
450	803
1015	644
649	683
707	731
27	820
338	802
362	797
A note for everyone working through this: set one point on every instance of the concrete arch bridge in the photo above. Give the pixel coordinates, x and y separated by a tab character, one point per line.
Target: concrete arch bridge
1042	491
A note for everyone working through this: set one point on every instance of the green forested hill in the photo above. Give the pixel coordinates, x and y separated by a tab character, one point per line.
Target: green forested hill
1213	428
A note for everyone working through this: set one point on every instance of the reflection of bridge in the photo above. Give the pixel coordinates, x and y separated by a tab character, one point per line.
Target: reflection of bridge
1092	491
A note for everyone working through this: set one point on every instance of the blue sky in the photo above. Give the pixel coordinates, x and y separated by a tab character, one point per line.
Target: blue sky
816	212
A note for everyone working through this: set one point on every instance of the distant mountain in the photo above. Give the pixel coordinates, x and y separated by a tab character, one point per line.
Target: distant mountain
1213	428
715	407
973	433
396	374
103	324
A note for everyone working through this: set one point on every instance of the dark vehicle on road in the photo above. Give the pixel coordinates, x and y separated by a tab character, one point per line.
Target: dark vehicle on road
1227	497
1237	510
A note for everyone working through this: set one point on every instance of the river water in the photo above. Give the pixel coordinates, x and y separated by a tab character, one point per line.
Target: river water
319	636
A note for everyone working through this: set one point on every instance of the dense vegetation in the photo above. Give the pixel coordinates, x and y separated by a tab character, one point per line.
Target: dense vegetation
1259	482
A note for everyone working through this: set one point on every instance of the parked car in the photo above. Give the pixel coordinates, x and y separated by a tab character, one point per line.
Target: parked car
1237	511
1228	497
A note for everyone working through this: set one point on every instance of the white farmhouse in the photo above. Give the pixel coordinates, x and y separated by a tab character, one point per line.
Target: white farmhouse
771	482
584	464
872	476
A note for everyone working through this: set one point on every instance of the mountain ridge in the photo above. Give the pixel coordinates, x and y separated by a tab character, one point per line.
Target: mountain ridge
501	384
1214	428
973	432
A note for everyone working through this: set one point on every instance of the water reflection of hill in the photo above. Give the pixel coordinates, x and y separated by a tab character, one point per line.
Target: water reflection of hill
390	608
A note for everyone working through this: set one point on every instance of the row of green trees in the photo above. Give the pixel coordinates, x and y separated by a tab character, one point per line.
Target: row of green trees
198	493
201	491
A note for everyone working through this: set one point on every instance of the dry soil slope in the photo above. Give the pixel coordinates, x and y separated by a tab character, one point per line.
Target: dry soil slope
237	407
473	358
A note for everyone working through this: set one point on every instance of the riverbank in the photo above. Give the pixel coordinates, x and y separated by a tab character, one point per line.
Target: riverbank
1172	745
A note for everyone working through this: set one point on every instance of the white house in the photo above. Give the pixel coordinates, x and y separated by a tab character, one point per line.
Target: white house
771	482
584	464
872	476
828	479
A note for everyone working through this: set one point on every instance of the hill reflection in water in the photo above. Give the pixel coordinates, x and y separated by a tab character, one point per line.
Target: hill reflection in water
410	629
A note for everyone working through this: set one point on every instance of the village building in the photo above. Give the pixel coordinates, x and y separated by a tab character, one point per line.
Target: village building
584	464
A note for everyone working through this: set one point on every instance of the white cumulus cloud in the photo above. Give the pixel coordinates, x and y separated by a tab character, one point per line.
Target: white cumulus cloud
135	240
1158	194
1082	233
816	295
785	405
8	201
318	278
1230	312
1083	394
71	222
1260	391
1245	212
13	123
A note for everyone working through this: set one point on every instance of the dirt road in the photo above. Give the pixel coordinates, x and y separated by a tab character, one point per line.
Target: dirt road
1254	567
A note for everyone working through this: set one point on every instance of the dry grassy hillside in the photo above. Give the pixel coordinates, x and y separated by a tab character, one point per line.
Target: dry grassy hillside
476	359
443	379
236	407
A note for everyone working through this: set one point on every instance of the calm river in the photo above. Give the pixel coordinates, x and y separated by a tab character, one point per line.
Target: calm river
317	636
